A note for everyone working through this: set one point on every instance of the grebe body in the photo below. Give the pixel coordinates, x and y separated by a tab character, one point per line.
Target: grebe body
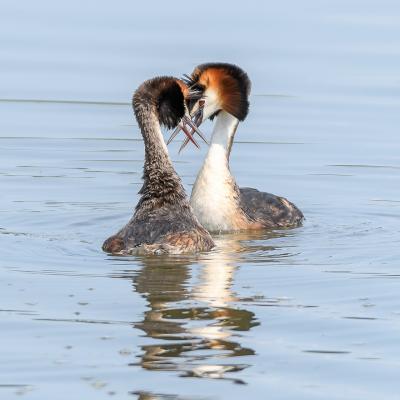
217	201
163	221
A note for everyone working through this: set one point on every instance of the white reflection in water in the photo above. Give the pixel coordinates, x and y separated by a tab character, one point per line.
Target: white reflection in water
195	328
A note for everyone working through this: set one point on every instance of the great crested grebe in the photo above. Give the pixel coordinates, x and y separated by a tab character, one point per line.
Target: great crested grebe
163	221
219	204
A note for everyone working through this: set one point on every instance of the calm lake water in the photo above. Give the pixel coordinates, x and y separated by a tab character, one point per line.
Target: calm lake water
310	313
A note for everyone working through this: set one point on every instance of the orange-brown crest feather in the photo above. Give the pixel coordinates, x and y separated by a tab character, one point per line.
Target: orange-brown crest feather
230	83
184	88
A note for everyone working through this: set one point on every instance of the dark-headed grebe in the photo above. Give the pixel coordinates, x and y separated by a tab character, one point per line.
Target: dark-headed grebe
163	221
217	201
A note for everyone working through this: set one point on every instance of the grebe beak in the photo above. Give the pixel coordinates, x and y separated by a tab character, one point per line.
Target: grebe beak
198	115
189	126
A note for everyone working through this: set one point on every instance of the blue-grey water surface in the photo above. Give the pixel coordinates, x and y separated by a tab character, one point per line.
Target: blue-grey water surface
309	313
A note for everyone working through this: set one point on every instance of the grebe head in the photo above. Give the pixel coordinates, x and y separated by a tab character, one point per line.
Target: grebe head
169	97
216	87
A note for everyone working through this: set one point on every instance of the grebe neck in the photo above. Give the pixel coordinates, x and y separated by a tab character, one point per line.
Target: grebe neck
223	134
216	163
161	182
215	196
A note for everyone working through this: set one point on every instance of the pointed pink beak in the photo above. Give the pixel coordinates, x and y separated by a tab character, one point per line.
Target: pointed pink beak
189	126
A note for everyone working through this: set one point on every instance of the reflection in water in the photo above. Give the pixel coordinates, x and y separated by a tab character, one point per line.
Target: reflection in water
197	330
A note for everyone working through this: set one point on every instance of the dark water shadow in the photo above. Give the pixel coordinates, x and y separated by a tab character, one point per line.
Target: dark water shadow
142	395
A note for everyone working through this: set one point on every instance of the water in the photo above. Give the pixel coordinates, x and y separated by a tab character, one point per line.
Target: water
310	313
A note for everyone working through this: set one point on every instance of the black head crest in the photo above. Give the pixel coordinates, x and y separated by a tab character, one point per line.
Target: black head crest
166	95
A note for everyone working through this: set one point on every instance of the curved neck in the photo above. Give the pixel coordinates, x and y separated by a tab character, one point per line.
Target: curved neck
155	150
161	182
221	143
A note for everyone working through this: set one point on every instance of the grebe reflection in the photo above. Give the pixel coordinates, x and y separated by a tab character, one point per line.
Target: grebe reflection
194	328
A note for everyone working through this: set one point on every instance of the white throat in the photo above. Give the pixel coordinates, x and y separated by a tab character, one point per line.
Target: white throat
214	199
